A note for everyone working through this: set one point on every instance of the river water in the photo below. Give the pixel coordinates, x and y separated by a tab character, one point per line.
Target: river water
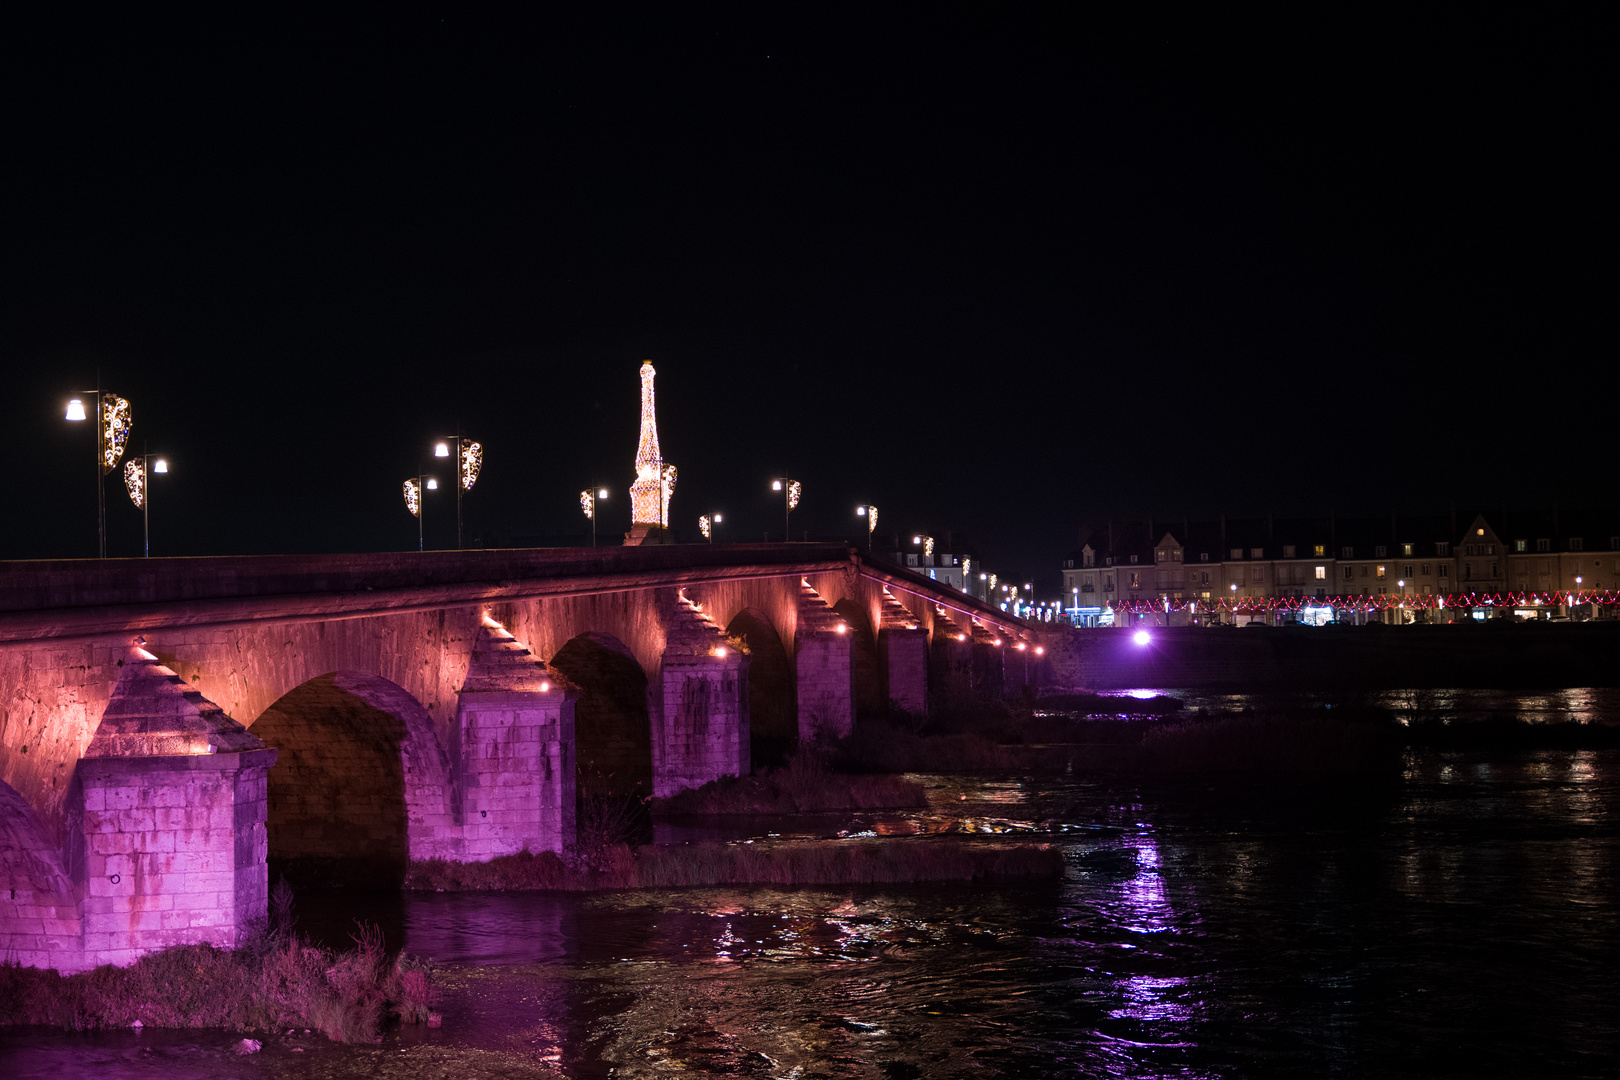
1463	921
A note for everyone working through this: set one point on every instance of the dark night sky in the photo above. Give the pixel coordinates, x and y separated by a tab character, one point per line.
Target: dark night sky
996	273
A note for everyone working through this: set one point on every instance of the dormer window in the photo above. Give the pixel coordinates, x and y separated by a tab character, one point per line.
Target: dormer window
1347	553
1203	556
1288	551
1406	549
1577	544
1108	560
1161	554
1521	545
1443	548
1321	550
1257	553
1380	551
1133	560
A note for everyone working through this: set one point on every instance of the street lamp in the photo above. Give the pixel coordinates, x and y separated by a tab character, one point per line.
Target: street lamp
791	490
587	503
469	461
138	482
706	525
113	419
927	543
414	489
869	512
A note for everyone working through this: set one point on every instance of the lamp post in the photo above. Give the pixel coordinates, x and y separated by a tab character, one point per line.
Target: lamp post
587	504
707	523
113	419
138	482
926	542
869	512
469	459
415	488
790	489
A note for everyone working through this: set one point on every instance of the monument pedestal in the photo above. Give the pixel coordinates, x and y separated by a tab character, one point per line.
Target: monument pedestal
646	535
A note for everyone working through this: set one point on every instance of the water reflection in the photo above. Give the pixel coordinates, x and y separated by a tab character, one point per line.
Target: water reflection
1461	924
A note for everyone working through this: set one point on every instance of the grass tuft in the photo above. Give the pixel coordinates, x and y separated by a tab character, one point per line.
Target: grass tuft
273	982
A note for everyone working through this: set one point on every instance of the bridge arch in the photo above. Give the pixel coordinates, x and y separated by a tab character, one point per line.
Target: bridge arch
358	766
36	897
773	708
612	729
870	699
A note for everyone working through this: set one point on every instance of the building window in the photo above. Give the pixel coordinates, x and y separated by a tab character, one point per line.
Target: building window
1364	569
1257	553
1347	552
1288	551
1203	556
1576	543
1490	549
1237	553
1321	573
1321	550
1160	554
1521	545
1406	549
1406	571
1136	580
1108	584
1614	542
1175	555
1259	573
1543	545
1468	571
1425	569
1108	560
1349	572
1068	564
1443	548
1380	551
1445	569
1203	579
1089	559
1380	573
1133	560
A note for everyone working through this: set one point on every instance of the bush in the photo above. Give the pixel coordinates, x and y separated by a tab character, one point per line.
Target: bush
272	982
807	785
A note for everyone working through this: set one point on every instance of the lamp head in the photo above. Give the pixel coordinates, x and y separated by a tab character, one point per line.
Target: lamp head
602	493
160	466
75	409
860	511
718	519
432	484
776	485
441	449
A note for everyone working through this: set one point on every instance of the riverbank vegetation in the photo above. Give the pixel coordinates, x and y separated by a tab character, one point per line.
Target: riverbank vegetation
828	862
273	982
808	785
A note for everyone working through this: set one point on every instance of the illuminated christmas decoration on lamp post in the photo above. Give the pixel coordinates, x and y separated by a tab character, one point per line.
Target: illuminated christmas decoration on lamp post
791	490
869	512
138	482
587	503
113	420
655	479
415	487
927	543
469	461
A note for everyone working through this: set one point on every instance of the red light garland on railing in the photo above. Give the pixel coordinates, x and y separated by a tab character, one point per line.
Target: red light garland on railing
1381	602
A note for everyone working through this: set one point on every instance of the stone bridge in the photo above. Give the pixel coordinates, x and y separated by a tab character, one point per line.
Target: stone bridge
171	727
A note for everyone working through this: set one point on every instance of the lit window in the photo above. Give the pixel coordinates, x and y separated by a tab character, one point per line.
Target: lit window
1321	550
1380	571
1321	573
1521	545
1406	549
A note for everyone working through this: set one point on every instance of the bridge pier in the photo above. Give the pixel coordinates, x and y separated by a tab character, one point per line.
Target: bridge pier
826	665
171	842
516	725
903	646
700	718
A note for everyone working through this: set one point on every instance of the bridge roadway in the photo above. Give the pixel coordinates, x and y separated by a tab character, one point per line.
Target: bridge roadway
170	727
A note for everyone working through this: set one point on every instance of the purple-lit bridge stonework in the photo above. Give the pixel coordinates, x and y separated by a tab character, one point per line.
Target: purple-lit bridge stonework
171	727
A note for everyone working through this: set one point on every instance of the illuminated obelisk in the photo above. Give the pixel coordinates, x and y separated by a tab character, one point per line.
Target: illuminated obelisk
655	481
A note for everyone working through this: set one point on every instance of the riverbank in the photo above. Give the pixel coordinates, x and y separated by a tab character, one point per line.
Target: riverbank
274	983
805	786
828	862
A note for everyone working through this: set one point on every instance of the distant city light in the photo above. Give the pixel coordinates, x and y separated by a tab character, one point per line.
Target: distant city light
1142	637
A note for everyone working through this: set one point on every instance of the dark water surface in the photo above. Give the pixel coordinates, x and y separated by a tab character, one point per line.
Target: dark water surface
1459	922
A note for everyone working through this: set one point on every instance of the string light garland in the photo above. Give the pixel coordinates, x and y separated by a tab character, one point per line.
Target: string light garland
1380	602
